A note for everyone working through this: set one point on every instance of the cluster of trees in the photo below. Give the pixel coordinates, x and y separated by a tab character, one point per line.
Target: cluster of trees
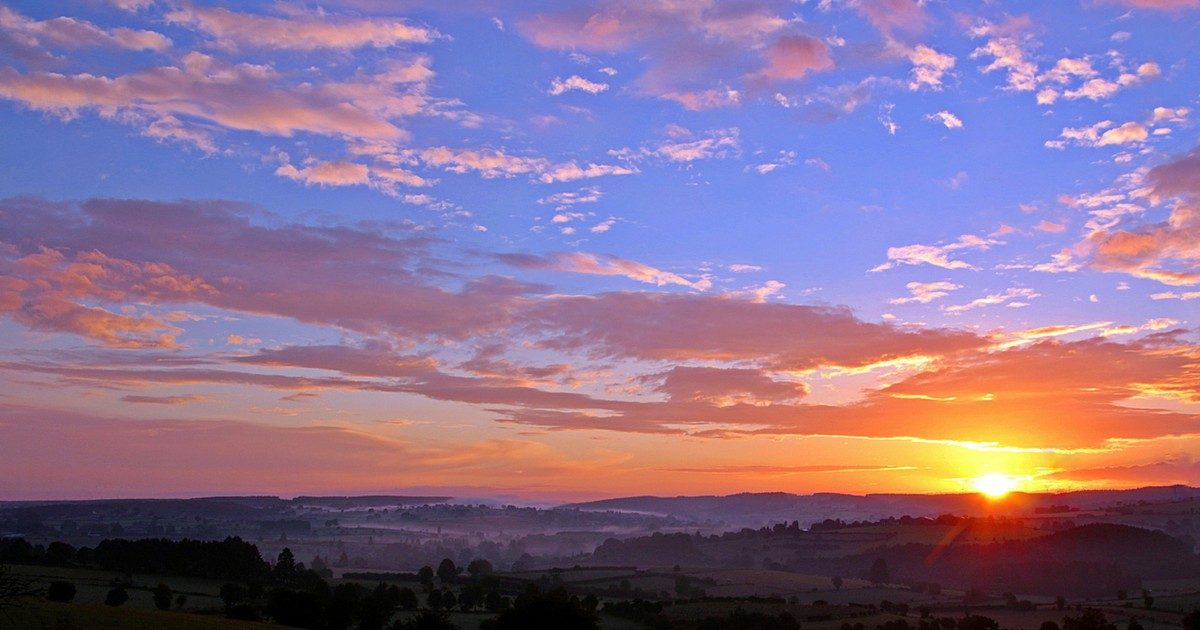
13	589
832	524
228	559
1087	561
300	597
657	548
1087	619
740	619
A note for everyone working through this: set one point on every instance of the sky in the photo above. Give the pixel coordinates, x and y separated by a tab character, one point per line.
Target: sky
571	250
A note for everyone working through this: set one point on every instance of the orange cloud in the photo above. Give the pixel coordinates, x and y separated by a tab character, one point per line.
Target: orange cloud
600	265
1167	251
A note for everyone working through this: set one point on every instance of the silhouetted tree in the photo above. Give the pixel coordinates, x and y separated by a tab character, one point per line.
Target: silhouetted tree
447	571
740	619
425	575
320	567
479	567
977	622
1133	624
837	582
1089	619
285	564
345	602
232	559
60	591
180	600
1048	625
493	601
407	599
59	554
434	600
378	607
13	589
468	599
162	597
426	620
116	596
534	610
232	594
449	600
295	608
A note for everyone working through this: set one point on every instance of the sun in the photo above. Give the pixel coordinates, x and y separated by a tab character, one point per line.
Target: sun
995	485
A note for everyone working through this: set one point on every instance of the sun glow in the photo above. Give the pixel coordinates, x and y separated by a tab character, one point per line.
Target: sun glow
996	485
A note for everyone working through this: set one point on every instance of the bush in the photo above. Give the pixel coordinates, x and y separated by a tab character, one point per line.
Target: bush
426	620
60	591
556	609
116	596
162	597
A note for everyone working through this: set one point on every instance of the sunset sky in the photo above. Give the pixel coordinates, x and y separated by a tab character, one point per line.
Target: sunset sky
555	250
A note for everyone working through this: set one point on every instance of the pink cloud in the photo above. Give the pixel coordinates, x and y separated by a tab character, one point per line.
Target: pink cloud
312	274
888	16
601	265
1169	251
240	97
205	457
727	386
327	173
298	32
1163	5
699	52
659	326
792	57
67	32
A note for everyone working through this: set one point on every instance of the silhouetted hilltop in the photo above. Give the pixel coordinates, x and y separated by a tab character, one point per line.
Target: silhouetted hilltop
216	507
1090	560
753	509
367	501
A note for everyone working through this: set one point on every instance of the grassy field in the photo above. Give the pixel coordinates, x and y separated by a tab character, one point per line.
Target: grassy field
92	585
1032	619
810	617
39	614
1178	603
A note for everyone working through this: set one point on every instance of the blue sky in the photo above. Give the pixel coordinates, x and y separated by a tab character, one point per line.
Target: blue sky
912	197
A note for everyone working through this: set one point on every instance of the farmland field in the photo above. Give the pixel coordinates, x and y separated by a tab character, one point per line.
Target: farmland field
39	614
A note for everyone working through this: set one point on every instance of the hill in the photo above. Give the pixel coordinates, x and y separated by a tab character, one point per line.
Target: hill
755	509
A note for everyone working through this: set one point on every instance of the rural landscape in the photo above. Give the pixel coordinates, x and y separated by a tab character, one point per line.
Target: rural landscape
600	314
1090	560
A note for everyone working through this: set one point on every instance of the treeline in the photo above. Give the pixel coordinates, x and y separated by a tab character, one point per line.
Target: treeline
1089	560
1086	561
228	559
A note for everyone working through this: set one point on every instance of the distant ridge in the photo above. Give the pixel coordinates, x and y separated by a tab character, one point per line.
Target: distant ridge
247	501
759	508
369	500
